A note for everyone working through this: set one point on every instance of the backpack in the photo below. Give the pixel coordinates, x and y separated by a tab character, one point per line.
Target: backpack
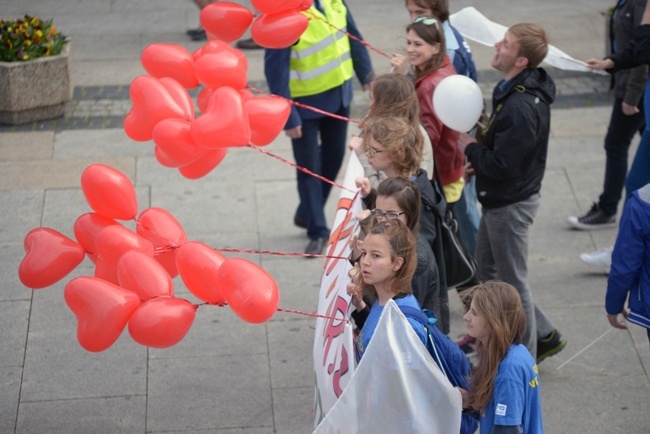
448	356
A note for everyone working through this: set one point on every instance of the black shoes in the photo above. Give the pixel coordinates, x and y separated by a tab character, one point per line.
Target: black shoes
248	44
550	345
197	34
596	218
316	247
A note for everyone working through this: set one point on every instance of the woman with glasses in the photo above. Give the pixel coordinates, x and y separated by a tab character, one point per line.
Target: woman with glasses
392	95
399	199
385	271
425	47
392	146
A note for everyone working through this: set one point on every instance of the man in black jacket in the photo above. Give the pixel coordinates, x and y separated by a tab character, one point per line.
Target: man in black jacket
509	168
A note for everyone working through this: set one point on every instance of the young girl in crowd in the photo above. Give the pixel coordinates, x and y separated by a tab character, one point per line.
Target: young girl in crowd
386	268
505	384
399	199
392	95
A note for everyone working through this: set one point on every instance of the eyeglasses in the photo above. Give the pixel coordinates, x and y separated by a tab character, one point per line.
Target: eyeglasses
427	21
373	151
390	215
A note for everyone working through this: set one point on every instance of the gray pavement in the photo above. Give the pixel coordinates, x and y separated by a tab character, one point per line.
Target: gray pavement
228	376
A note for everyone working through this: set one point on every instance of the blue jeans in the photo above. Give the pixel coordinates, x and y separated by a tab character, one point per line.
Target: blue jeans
502	253
324	158
619	136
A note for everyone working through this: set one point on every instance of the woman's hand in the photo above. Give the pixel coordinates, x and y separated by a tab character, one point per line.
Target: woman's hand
356	144
399	63
363	184
354	289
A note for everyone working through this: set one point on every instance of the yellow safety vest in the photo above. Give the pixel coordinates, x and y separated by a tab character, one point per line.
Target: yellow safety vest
321	59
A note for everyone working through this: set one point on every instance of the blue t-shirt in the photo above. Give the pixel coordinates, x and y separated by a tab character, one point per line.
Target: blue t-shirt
516	399
363	339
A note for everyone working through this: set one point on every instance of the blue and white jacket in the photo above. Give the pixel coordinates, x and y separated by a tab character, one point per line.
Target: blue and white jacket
630	271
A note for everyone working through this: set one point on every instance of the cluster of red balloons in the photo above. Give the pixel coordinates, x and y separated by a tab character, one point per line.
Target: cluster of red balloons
230	115
132	282
279	25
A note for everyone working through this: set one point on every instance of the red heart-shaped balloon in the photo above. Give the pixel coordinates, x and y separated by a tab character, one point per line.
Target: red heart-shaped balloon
198	265
49	257
152	103
279	30
226	20
173	138
224	124
88	226
224	68
143	275
114	241
109	192
250	291
165	233
180	95
162	322
170	60
204	98
275	6
267	116
102	310
204	165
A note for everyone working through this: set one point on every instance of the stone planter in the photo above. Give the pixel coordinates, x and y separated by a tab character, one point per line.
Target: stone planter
35	90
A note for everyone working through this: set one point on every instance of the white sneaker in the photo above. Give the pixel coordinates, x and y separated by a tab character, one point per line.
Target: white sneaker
600	259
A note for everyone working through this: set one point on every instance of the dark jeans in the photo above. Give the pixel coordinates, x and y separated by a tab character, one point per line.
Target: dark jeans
620	133
325	159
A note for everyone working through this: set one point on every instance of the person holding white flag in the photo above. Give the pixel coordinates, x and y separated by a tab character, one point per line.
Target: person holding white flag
386	268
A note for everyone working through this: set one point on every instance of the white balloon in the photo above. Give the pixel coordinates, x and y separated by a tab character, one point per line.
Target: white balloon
458	102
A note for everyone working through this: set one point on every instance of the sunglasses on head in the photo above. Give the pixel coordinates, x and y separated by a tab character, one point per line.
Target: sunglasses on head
427	21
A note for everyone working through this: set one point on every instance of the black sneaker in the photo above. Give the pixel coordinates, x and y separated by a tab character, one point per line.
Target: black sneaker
550	345
596	218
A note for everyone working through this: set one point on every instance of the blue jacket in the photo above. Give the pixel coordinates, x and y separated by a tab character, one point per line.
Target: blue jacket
276	70
461	56
630	271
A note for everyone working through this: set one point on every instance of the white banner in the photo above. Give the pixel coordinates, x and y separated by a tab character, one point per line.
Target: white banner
475	26
333	351
397	387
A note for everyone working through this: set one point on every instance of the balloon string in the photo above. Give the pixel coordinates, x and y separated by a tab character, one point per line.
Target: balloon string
315	315
361	41
303	169
280	309
271	252
305	106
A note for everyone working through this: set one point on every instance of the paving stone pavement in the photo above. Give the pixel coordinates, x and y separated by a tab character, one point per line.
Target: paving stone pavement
231	377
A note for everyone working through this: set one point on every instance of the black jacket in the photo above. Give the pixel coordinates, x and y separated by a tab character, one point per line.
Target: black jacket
637	51
510	163
629	83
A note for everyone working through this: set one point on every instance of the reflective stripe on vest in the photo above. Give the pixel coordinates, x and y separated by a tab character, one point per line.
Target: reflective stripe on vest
321	59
